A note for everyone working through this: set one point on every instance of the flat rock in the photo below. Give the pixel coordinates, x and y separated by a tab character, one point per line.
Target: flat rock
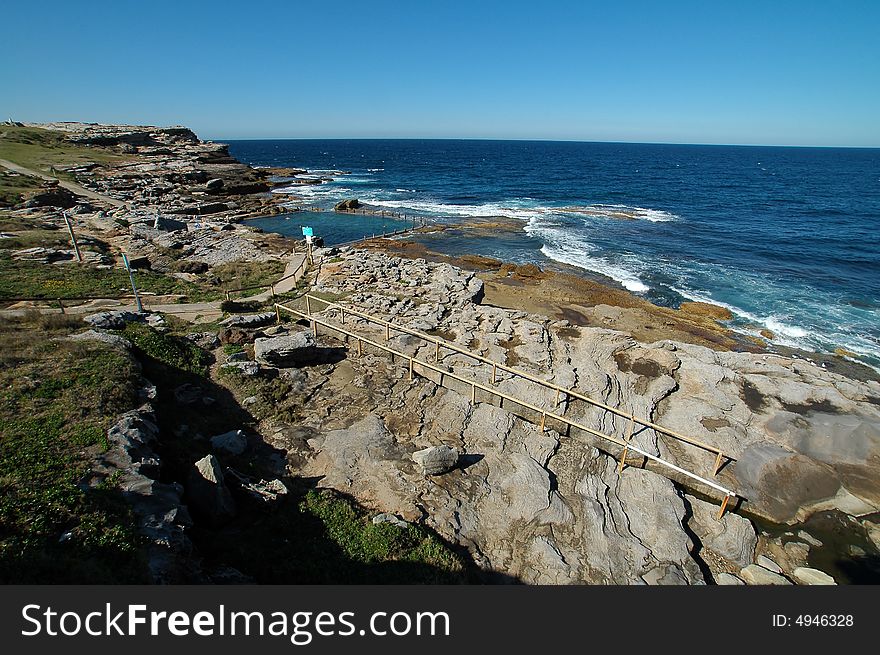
768	564
758	575
104	337
808	576
728	579
295	349
249	320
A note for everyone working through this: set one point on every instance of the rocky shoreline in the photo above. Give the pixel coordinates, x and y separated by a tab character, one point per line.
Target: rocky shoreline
525	504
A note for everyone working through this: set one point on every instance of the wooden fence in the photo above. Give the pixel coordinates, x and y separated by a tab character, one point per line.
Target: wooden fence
542	415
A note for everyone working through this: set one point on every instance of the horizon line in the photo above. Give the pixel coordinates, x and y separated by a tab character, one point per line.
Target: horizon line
535	140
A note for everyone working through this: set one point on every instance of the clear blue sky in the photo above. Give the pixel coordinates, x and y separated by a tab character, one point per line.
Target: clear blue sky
772	72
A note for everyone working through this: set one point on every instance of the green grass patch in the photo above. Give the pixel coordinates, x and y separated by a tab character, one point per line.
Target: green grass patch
19	279
57	400
47	151
173	351
14	187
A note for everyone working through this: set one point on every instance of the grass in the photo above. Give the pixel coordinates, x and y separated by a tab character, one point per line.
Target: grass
44	150
174	352
21	279
350	528
57	400
14	186
236	275
327	538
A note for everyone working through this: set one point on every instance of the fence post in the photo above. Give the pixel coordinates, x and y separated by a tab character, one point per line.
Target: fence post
61	305
622	463
717	464
277	315
723	506
308	305
494	370
72	236
474	394
410	368
436	351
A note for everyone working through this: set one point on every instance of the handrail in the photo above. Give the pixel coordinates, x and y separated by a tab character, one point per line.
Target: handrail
626	444
524	374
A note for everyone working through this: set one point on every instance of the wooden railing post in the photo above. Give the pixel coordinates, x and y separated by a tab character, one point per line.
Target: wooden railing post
723	506
717	464
622	462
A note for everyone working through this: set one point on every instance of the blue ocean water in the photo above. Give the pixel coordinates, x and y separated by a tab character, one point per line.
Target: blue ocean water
786	238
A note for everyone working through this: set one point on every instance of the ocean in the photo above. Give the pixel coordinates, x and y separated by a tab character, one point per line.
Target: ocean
786	238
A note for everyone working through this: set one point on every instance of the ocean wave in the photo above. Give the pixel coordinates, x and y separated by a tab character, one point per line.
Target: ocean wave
624	212
525	209
629	280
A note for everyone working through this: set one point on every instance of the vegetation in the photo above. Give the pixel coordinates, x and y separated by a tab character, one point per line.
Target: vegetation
48	151
327	538
57	400
14	186
22	279
177	353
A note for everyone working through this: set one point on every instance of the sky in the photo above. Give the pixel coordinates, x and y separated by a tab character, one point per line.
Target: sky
769	72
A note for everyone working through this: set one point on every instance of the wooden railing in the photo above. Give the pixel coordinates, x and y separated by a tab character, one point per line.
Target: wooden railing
415	365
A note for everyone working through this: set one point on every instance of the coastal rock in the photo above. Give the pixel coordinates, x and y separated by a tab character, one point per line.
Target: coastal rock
807	576
206	492
293	349
436	460
728	579
249	320
112	320
758	575
161	517
732	537
215	184
768	564
247	369
385	517
233	442
204	340
104	337
347	205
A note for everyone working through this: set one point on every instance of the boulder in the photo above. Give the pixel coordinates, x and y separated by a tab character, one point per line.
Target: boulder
347	205
293	349
214	185
233	442
386	517
113	320
206	492
247	369
758	575
204	340
436	460
808	576
262	493
732	537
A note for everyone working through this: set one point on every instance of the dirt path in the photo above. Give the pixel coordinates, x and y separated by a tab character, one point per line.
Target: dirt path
73	187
